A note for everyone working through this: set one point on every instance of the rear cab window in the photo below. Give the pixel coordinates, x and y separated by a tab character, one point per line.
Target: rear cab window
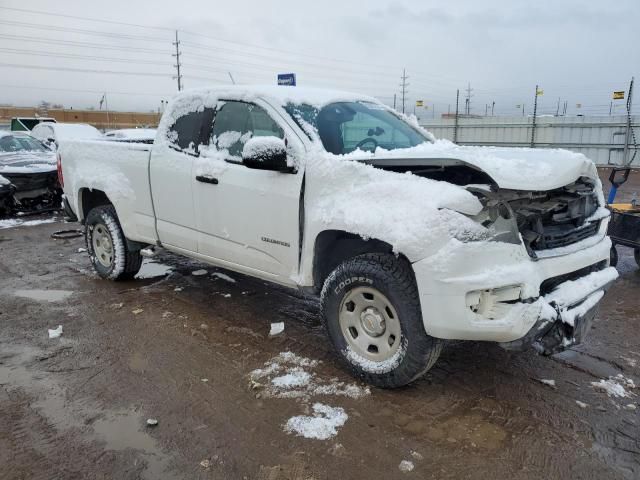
190	131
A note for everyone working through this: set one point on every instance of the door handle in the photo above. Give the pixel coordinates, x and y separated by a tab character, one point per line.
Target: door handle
205	179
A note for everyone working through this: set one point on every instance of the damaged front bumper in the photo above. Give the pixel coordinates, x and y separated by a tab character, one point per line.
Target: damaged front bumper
567	313
494	291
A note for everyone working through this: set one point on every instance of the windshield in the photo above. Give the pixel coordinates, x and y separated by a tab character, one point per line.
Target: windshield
346	126
11	143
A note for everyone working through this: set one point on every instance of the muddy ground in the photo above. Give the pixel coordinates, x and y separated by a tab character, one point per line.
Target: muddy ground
180	348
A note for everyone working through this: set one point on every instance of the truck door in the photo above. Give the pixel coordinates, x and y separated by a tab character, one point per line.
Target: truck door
248	219
170	176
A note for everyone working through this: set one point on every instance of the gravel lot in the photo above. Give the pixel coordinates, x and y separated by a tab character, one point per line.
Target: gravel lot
181	348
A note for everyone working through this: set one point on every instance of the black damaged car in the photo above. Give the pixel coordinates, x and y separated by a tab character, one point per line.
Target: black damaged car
28	175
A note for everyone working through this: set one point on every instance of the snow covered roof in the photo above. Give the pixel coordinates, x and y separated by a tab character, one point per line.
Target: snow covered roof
133	133
279	95
72	130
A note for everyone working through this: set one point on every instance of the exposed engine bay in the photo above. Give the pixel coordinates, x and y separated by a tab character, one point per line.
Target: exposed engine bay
28	193
544	219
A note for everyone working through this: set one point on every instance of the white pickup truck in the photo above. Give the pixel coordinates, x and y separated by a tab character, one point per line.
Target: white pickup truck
409	240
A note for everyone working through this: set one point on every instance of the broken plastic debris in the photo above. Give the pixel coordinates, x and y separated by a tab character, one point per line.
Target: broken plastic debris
137	311
56	332
582	404
152	422
223	276
276	328
117	305
204	380
206	463
199	273
406	466
551	383
82	250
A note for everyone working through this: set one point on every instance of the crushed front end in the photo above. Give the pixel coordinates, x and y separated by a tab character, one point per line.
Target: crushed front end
536	281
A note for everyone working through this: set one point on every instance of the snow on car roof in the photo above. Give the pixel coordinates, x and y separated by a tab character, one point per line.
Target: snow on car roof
73	130
280	95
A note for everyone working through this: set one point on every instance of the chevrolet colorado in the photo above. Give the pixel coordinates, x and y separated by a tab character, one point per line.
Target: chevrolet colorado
409	240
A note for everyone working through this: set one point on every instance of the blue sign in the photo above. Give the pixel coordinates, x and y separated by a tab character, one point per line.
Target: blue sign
288	79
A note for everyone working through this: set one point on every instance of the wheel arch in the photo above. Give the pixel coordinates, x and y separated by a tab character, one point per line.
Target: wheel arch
89	199
332	247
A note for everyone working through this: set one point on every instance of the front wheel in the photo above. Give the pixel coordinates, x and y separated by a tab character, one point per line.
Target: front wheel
107	245
372	315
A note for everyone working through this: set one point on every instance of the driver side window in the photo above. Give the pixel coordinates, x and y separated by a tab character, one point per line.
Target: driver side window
236	122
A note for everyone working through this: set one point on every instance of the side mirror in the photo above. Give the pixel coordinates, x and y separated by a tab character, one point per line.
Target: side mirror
266	153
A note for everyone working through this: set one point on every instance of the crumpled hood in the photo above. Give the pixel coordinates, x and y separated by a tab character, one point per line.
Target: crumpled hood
27	162
511	168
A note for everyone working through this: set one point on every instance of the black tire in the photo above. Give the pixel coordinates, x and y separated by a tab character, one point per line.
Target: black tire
613	256
636	254
124	264
393	277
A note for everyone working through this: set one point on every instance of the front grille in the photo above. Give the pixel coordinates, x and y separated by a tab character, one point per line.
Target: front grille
557	218
555	237
550	284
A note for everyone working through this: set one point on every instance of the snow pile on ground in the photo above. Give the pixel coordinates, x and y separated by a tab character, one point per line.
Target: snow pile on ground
276	329
18	222
291	376
406	466
615	386
151	269
56	332
199	273
322	425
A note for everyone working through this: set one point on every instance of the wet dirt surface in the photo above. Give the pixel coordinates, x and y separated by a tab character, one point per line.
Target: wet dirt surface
181	348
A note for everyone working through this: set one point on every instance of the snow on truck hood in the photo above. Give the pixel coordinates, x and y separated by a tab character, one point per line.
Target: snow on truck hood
510	168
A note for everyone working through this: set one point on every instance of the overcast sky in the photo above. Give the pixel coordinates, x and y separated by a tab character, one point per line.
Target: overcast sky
577	50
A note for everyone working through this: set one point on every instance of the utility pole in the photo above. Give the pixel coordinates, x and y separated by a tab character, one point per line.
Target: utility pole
558	107
627	137
533	124
493	106
178	64
468	102
455	125
394	101
404	86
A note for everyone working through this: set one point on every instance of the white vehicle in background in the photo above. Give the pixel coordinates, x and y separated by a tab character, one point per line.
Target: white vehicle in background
134	135
51	133
409	240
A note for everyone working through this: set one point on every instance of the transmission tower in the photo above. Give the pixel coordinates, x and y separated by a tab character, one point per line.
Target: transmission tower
178	64
403	87
468	99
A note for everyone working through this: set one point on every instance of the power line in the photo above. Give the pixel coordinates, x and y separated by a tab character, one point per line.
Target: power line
82	30
81	57
101	46
75	17
75	90
84	70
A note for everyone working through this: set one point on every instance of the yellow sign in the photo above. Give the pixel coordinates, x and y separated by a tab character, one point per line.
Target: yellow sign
419	103
539	92
618	95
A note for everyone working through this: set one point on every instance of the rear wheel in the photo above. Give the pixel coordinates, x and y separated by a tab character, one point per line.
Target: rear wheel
107	245
372	314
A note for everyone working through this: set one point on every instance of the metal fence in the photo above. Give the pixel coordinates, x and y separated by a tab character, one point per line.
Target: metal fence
600	138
